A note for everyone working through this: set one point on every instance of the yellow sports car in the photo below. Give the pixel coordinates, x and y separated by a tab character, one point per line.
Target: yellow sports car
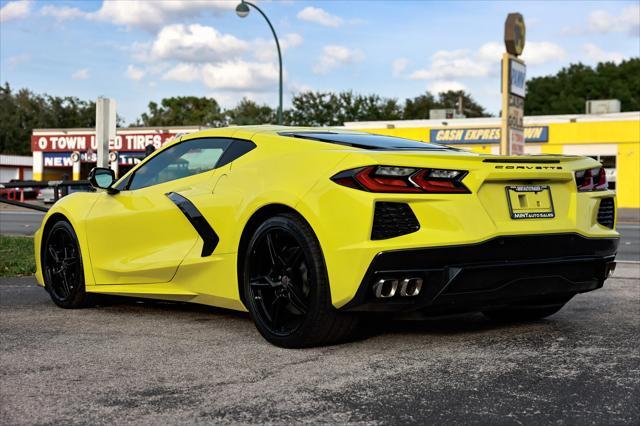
308	229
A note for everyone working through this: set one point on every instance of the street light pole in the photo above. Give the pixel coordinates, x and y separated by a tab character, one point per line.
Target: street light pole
242	10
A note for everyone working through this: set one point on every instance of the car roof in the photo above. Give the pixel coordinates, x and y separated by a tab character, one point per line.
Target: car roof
324	135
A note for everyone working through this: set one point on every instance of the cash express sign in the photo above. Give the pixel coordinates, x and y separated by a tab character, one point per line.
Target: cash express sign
452	136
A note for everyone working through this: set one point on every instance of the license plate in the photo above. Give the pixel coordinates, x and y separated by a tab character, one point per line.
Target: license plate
530	202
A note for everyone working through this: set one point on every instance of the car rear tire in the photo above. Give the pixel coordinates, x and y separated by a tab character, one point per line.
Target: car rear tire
524	313
286	286
62	267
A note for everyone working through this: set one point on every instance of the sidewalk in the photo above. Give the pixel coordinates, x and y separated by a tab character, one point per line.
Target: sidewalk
628	215
12	208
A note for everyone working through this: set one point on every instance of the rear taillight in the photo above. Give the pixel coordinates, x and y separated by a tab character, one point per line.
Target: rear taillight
391	179
592	179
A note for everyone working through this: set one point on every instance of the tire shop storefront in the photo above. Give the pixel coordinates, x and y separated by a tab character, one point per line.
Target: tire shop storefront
71	153
613	139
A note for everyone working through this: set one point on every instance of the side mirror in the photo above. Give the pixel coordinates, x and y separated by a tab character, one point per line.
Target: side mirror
103	178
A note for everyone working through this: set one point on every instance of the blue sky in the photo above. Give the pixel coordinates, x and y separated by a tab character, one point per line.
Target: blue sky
141	51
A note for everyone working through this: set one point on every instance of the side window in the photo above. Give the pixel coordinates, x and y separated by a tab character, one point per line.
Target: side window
181	160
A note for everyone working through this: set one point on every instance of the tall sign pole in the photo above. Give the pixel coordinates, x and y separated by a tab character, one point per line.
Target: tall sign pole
514	74
105	129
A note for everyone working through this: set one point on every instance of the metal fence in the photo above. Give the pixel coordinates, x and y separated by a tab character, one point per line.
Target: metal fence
14	192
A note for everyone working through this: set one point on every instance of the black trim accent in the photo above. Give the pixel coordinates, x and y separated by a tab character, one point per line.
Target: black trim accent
237	149
209	237
495	272
124	184
393	220
607	213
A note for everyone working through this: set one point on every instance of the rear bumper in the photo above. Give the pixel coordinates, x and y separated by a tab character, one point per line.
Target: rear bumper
497	272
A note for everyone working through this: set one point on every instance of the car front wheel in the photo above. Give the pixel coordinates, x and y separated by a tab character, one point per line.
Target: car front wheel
286	286
62	267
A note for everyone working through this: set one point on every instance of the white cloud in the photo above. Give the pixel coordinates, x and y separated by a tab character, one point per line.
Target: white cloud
81	74
398	66
15	10
334	56
440	86
596	54
447	65
134	73
183	72
319	16
265	50
146	14
62	13
535	53
627	21
490	52
538	53
151	15
195	43
230	75
198	53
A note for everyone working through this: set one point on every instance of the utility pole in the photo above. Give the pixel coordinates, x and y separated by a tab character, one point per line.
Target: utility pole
513	87
105	129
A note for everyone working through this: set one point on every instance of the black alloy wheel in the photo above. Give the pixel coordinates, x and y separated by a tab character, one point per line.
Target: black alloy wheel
279	281
286	287
62	267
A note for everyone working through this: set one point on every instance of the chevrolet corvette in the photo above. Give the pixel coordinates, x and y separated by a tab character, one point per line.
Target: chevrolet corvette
310	229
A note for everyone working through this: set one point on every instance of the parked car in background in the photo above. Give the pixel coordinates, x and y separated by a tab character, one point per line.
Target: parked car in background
47	195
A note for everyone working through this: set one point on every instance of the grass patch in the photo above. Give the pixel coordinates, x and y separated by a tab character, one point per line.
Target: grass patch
16	256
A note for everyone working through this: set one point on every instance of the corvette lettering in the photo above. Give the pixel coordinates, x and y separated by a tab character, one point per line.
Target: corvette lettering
528	167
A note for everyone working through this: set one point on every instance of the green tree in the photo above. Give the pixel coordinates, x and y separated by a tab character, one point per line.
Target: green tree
23	111
419	107
247	112
183	111
568	90
470	107
334	109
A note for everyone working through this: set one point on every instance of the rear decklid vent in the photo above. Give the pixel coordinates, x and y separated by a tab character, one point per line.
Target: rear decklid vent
392	220
606	212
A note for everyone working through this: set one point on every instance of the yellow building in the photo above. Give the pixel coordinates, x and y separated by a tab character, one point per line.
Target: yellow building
614	139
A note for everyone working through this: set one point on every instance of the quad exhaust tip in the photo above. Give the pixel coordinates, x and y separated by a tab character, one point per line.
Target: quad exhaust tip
388	287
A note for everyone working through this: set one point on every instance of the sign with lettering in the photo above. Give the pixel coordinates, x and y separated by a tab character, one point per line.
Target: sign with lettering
484	135
514	34
516	139
66	159
517	78
84	142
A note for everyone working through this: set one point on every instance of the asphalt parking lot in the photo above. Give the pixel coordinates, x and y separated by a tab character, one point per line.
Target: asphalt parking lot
150	363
